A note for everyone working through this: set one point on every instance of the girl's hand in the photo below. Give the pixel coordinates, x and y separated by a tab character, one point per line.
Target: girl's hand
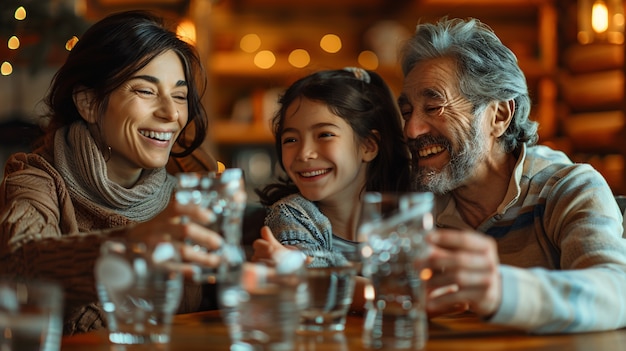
267	248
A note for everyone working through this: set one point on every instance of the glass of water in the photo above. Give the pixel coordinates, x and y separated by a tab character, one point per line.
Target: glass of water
31	315
393	229
140	286
225	195
330	292
264	305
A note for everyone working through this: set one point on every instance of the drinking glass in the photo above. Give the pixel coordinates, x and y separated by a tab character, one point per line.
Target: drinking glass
265	304
225	195
393	229
330	290
31	315
140	286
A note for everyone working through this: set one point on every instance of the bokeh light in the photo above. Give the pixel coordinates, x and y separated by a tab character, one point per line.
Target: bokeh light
6	68
368	60
369	292
14	43
20	13
186	30
299	58
426	274
330	43
70	43
250	43
264	59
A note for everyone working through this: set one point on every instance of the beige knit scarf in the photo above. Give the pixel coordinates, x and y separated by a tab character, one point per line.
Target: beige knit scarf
84	170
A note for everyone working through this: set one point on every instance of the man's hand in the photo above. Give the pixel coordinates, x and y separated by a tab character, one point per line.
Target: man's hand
469	261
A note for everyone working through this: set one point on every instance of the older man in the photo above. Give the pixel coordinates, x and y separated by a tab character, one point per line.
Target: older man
526	238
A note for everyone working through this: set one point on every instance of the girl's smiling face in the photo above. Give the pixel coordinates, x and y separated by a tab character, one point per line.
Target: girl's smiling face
321	153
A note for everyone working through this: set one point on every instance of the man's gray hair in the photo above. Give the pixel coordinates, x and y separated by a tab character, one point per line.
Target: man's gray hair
487	70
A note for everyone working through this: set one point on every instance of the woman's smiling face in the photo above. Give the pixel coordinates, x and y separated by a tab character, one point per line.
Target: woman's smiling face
144	116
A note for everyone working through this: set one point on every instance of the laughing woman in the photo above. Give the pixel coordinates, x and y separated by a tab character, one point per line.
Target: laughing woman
126	95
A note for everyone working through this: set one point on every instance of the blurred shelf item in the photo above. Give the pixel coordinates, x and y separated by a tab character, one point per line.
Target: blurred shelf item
593	58
593	91
596	132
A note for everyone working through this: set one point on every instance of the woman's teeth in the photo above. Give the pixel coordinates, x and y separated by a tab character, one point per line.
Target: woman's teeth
163	136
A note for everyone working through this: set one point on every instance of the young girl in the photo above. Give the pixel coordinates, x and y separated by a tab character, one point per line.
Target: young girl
338	134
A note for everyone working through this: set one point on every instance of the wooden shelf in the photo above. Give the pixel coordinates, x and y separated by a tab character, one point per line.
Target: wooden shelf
528	27
229	132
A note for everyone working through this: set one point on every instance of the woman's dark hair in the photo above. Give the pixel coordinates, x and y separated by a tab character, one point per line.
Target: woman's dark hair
369	107
108	54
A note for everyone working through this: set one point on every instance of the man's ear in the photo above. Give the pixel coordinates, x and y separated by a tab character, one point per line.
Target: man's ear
370	147
503	117
83	99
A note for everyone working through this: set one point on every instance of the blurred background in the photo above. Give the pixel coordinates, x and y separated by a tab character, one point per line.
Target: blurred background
572	52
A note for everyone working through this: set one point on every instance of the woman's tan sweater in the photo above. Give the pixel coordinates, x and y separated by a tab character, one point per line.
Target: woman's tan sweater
46	231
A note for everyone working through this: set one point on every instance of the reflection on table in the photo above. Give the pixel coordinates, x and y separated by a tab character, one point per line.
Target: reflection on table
205	331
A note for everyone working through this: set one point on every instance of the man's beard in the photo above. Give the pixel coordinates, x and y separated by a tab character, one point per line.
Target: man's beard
471	150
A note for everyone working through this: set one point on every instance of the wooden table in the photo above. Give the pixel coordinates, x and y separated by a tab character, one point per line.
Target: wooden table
205	331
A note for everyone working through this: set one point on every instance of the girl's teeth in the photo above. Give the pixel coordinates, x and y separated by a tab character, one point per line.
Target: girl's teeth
313	173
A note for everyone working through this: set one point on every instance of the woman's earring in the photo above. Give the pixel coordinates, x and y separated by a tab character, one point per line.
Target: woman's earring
108	155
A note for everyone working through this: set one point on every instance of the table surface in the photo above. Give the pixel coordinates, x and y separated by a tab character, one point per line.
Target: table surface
205	331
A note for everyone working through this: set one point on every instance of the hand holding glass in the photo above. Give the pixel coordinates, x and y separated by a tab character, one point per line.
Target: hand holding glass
224	194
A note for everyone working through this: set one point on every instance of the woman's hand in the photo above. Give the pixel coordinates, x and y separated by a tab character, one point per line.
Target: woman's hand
185	224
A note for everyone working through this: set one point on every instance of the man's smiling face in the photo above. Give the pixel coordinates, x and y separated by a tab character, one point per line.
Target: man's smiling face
446	140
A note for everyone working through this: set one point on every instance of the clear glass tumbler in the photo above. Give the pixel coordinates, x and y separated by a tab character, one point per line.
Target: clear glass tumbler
393	229
31	315
140	286
265	305
330	292
225	195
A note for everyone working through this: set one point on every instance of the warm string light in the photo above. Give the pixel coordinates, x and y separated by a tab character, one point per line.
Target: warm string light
186	30
69	45
6	68
331	43
601	21
14	42
264	59
599	17
301	58
20	13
